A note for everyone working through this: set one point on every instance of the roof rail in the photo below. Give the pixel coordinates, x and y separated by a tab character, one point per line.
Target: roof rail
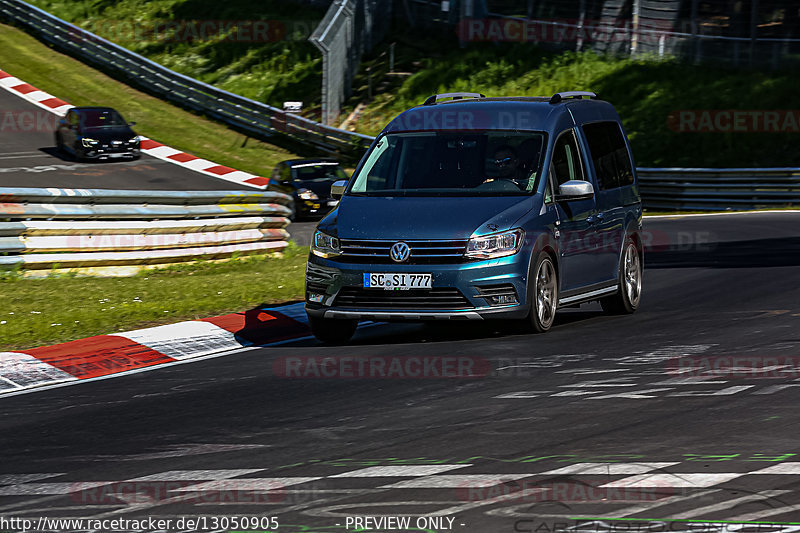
558	97
454	96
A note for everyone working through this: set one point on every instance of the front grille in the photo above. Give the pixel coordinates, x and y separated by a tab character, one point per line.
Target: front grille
316	286
422	252
437	298
506	289
497	294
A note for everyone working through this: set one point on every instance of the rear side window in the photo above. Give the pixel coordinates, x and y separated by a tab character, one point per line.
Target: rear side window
612	164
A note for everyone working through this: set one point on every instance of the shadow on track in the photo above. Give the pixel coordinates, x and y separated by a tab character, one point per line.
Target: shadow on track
770	252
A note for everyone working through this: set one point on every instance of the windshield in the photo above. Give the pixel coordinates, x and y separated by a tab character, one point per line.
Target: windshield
319	172
101	118
451	164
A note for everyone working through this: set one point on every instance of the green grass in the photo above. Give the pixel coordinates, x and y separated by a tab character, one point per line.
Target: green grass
69	79
644	92
61	308
285	67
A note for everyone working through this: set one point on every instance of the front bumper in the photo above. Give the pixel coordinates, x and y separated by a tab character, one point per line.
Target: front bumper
326	278
110	153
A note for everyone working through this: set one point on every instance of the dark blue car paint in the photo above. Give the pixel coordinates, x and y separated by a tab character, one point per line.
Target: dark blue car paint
585	237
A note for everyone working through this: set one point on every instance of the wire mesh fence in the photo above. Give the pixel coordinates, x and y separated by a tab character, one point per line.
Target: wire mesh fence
349	29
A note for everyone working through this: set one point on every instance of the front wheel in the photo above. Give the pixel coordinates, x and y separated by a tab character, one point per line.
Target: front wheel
545	294
626	299
332	331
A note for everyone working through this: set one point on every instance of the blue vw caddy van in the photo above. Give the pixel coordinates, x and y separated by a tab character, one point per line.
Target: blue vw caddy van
475	208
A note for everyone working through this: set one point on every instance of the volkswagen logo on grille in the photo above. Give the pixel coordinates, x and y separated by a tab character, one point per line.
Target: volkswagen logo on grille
399	252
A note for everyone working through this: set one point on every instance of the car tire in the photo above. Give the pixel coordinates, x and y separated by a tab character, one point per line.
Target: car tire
77	154
332	331
60	144
543	293
626	300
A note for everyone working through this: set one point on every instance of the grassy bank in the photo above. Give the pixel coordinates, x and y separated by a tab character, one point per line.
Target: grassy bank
271	63
37	312
69	79
644	91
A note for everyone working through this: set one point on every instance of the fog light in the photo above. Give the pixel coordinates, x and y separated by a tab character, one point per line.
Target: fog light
504	299
315	298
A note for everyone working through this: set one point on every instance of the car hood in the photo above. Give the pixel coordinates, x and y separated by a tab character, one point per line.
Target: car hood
359	217
105	135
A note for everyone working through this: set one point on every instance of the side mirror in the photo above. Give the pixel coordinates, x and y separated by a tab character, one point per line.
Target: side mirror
574	190
131	123
337	189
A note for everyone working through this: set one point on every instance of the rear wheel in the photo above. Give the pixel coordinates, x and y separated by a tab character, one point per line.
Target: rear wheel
545	294
60	143
626	300
332	331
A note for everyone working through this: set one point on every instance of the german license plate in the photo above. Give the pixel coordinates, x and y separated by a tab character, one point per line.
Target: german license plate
116	155
392	281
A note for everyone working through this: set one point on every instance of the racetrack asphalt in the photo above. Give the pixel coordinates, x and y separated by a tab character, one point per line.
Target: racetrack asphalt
643	417
29	158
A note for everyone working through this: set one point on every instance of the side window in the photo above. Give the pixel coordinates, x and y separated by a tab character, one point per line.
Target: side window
566	161
286	173
548	190
73	118
612	163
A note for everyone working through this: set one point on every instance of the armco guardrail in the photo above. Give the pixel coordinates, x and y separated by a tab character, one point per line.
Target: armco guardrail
255	117
90	228
718	189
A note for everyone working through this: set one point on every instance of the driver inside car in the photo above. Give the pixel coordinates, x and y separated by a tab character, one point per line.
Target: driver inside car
506	166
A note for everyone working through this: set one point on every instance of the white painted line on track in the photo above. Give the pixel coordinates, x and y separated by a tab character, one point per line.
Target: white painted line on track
248	484
197	475
607	468
16	479
649	506
400	471
730	504
456	481
681	480
782	468
41	489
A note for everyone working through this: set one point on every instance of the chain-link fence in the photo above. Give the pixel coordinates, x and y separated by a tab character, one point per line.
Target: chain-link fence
350	28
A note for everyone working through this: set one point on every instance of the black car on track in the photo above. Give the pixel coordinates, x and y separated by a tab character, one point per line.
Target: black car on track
96	133
308	182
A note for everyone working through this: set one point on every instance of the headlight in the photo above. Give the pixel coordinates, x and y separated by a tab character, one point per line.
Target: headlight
305	194
496	245
88	143
134	140
324	245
